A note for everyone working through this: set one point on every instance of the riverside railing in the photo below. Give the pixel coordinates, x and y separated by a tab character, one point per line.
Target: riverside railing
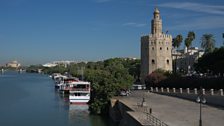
152	120
187	91
155	121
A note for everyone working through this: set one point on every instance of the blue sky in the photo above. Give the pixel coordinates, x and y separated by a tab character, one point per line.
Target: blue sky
40	31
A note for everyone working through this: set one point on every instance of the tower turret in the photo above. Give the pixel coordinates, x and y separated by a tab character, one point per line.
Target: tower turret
156	23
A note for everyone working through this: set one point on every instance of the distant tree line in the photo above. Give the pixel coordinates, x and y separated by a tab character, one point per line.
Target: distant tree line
107	78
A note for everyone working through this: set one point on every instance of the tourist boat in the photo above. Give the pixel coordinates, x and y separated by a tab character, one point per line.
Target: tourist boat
79	92
59	80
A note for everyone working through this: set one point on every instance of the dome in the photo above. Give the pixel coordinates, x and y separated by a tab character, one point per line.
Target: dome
156	10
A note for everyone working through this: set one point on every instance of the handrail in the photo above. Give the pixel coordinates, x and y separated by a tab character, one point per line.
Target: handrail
149	117
155	121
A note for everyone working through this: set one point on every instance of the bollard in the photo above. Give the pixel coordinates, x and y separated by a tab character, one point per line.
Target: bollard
221	92
162	89
157	89
212	91
167	90
174	90
150	111
203	91
188	91
195	91
151	89
181	90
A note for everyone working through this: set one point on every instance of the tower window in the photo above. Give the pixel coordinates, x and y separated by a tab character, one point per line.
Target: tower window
160	48
153	61
167	61
152	48
167	48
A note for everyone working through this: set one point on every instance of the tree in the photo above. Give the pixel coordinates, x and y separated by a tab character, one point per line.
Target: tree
191	35
212	62
190	38
155	78
178	39
208	42
188	42
176	44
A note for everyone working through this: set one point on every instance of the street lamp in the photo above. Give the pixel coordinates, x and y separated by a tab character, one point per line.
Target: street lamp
200	99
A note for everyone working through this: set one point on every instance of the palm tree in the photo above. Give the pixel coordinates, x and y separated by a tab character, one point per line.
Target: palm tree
208	42
176	44
190	38
179	40
191	35
188	42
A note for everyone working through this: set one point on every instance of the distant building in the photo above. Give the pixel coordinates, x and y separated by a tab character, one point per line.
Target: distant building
49	65
186	58
155	48
55	63
13	64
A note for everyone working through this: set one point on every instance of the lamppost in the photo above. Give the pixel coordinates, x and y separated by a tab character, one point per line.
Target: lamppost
201	99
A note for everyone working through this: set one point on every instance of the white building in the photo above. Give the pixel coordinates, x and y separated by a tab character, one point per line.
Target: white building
13	64
185	59
55	63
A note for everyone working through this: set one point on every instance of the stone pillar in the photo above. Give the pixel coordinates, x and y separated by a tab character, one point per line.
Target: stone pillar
167	90
157	89
181	90
151	89
174	90
162	89
221	92
212	91
195	91
203	91
188	91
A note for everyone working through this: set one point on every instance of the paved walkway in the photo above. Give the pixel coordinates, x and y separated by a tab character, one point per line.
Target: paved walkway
174	111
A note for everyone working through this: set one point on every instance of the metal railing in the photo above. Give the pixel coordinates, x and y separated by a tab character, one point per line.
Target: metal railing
152	120
155	121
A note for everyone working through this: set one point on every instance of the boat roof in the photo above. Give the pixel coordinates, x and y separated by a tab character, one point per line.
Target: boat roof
80	82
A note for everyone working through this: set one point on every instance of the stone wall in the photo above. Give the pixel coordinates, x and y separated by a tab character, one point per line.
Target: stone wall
122	114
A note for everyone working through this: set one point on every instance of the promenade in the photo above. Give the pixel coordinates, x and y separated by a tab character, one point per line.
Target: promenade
172	111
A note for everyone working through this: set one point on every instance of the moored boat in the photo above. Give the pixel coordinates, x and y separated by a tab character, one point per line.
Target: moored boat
79	92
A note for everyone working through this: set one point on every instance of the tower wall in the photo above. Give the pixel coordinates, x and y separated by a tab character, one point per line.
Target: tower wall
155	49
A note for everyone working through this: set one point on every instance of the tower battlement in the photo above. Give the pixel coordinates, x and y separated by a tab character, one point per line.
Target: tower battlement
160	35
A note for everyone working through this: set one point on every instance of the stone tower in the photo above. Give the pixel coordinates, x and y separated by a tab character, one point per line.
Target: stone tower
155	48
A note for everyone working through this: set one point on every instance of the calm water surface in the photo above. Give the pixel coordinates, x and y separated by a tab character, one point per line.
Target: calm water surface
31	100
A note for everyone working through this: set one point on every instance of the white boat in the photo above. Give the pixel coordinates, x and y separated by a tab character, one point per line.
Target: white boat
79	92
59	80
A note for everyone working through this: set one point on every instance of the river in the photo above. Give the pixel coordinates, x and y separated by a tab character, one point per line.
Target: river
31	100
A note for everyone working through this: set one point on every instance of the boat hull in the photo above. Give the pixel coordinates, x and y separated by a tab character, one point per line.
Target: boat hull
79	99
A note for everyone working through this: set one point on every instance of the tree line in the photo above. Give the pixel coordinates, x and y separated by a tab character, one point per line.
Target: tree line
107	78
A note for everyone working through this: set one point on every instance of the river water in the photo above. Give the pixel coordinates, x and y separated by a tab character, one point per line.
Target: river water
31	100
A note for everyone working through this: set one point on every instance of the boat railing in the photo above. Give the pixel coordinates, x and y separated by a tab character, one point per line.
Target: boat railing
76	89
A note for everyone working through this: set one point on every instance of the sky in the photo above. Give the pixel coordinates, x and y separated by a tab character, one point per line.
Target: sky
41	31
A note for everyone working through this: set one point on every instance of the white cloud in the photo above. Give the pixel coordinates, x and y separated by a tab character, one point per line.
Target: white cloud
201	23
196	7
133	24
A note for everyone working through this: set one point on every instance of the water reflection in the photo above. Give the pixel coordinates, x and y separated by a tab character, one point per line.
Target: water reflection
79	114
